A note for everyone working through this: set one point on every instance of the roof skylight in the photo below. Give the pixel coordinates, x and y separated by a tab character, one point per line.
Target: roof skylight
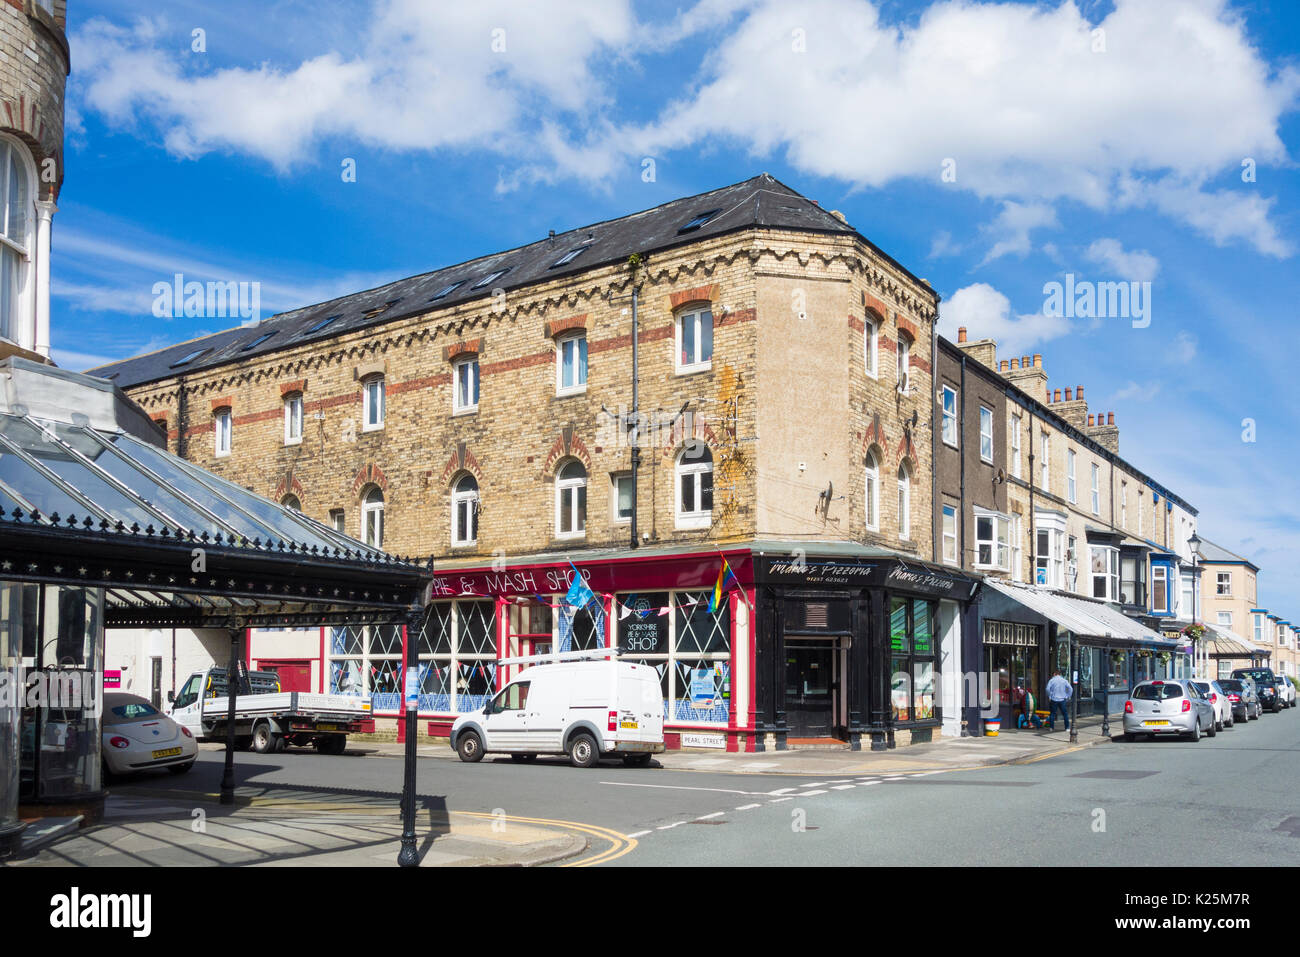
489	278
190	358
571	255
699	221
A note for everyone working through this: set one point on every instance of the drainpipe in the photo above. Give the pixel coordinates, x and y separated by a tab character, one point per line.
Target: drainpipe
961	482
936	412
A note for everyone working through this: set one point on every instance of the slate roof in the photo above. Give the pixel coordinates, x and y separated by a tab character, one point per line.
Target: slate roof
1213	553
761	201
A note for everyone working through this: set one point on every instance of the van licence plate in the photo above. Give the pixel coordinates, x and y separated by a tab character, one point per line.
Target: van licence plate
166	753
628	725
1155	724
327	727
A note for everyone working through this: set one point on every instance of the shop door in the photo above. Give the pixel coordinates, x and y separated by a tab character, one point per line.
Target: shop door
292	675
811	687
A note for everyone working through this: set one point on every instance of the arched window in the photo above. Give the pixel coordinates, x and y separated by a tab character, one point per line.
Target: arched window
904	504
17	243
291	501
695	486
372	517
571	501
464	511
904	363
873	491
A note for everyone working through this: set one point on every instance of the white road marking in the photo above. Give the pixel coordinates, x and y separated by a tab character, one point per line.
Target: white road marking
679	787
781	791
705	817
867	784
806	794
843	787
748	807
779	800
640	833
669	827
813	784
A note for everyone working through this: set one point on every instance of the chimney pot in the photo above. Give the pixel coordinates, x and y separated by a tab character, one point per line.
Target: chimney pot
1078	393
1068	394
1058	396
1089	420
1015	363
1038	360
1024	362
1110	418
1004	366
961	333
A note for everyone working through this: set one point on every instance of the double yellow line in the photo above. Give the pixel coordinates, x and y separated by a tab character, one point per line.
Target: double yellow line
620	844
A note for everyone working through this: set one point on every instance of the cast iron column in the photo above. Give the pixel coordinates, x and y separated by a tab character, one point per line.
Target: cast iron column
232	693
409	856
1105	710
1074	684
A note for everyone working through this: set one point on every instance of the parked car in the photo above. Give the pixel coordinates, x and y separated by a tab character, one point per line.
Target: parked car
1243	697
1265	686
585	709
1168	707
137	737
1287	687
1219	698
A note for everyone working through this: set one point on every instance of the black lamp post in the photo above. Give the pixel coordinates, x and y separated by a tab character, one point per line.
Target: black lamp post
1194	546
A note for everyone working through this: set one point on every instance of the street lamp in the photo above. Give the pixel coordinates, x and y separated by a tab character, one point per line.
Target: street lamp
1194	546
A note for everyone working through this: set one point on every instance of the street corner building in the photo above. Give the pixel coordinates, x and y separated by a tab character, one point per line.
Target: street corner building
738	375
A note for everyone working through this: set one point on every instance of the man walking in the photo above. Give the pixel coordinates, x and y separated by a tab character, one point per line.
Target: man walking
1058	693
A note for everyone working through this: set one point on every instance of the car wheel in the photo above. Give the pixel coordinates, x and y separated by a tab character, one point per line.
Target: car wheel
637	760
1195	734
264	739
470	747
1211	731
180	768
583	752
1218	726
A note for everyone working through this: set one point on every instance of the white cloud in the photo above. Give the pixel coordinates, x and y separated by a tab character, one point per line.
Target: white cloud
1142	392
1184	348
1011	228
986	314
942	245
1125	265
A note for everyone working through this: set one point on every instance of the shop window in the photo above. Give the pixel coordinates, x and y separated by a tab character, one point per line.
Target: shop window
912	659
367	660
690	648
457	654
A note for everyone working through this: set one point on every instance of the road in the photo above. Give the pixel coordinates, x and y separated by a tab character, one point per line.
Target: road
1157	803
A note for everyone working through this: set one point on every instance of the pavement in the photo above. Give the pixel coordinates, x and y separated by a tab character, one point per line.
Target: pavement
160	823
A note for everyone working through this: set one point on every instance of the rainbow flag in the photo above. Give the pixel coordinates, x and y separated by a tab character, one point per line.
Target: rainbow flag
726	579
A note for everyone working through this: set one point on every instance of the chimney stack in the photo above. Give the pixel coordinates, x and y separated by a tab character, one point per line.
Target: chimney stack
961	333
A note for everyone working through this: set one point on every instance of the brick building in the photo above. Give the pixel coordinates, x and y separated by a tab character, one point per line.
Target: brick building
480	413
1080	548
34	64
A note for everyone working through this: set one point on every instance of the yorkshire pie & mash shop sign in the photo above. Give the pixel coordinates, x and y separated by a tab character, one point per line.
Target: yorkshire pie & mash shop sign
838	573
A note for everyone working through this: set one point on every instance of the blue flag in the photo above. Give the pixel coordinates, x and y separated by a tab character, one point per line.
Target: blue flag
578	594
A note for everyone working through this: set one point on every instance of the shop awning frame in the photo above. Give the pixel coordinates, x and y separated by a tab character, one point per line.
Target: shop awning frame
1089	622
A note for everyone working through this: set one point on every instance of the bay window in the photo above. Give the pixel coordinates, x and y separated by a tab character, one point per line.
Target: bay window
992	540
1105	572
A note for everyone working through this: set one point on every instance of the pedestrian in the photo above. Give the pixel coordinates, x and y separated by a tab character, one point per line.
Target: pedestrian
1058	693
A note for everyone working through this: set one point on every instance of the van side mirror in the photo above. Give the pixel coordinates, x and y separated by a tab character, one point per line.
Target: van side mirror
171	697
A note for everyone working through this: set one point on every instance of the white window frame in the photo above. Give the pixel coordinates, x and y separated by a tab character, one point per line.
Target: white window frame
1160	573
223	432
1053	525
1017	549
577	341
338	520
697	317
1046	481
903	367
1224	619
575	490
1015	446
464	500
1186	590
871	492
615	480
1110	573
374	393
871	346
1096	489
1219	584
1259	629
1071	486
950	418
986	434
460	369
372	517
293	419
904	504
20	325
950	555
1123	505
698	518
998	541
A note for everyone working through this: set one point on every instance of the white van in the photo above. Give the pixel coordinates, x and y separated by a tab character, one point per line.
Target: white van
585	709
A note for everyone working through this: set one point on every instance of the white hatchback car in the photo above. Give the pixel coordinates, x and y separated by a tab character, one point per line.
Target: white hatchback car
1219	698
137	737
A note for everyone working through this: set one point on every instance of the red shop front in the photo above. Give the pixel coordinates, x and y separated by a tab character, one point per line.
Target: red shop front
653	606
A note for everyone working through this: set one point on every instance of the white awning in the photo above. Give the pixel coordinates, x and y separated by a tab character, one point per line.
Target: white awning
1228	644
1080	617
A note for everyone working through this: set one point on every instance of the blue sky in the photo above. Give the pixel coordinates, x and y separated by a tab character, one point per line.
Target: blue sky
992	148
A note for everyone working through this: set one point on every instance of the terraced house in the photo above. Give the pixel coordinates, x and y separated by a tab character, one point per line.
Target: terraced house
739	375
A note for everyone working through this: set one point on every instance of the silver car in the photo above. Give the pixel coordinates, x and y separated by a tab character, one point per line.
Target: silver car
1168	707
